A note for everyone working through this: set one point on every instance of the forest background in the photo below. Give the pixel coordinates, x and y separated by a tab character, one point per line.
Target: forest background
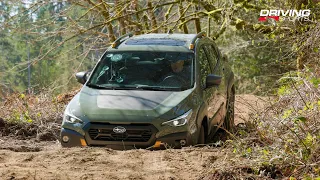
44	43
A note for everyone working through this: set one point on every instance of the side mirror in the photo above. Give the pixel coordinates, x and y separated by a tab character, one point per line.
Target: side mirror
213	80
82	77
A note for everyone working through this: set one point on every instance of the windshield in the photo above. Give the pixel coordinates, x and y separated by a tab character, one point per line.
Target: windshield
144	70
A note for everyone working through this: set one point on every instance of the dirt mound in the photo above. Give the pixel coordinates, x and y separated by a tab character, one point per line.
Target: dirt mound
33	116
47	132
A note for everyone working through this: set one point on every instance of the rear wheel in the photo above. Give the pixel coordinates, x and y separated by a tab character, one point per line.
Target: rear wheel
229	119
201	139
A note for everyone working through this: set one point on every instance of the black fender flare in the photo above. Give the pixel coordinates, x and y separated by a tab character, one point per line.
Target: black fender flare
202	113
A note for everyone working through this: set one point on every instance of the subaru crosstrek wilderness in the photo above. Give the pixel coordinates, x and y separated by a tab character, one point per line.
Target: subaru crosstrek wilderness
152	90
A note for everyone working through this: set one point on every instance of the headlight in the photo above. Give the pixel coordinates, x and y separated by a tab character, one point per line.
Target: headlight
69	118
179	121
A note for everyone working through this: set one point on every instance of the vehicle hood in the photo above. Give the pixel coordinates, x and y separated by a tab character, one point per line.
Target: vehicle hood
123	106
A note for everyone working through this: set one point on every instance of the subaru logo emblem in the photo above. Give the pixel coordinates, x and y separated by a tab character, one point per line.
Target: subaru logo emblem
119	129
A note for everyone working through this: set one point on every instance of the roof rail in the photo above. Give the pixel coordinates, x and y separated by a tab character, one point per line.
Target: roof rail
199	35
117	42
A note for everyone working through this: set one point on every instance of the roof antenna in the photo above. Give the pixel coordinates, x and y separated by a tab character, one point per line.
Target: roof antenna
170	31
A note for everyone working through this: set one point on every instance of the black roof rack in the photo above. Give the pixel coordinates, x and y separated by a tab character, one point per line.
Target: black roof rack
199	35
117	42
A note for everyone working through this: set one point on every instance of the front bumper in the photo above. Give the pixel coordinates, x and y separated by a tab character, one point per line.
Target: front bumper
137	136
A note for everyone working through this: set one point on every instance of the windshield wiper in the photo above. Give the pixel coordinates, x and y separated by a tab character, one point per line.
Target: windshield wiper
139	87
95	86
157	88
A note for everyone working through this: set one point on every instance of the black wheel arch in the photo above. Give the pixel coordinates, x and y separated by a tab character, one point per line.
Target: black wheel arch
202	119
230	84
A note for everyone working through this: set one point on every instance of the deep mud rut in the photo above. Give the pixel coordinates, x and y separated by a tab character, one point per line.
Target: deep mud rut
28	159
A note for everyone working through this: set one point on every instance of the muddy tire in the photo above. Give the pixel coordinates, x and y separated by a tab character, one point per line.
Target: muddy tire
229	119
201	139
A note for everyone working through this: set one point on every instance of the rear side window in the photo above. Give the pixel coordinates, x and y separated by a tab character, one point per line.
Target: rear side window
212	56
204	66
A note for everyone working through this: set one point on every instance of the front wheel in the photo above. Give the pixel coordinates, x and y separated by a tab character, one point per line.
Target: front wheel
229	119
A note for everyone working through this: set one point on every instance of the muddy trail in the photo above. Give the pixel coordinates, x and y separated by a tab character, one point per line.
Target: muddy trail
29	159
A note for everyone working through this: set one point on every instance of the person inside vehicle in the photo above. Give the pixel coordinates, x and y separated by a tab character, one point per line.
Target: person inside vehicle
179	74
177	66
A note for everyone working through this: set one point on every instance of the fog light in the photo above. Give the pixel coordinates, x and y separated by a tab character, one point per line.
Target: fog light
65	139
183	142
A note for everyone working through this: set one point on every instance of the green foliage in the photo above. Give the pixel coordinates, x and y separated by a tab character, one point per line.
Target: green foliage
59	39
315	81
300	119
287	113
283	90
20	117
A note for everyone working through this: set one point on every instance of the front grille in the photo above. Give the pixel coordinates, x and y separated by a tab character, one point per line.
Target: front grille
132	134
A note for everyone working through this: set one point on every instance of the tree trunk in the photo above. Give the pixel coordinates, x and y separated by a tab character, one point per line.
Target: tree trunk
122	27
106	15
182	19
197	20
139	26
152	17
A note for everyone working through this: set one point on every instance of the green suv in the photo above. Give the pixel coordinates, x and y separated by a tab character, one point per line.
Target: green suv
152	90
